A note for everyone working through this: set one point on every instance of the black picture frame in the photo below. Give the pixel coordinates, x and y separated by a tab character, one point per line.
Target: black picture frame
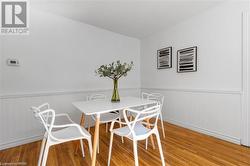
187	60
164	58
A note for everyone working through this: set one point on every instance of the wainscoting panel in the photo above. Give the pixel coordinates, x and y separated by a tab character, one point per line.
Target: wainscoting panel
17	124
213	112
200	110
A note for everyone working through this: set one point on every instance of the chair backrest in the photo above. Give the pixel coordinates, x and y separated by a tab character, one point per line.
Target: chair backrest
96	97
146	114
45	115
144	95
42	107
38	109
157	97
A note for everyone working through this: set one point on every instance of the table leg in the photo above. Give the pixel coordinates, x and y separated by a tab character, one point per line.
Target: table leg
151	136
82	124
96	139
82	120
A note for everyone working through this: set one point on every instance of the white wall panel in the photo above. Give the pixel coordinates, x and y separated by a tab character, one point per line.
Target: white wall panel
18	126
211	112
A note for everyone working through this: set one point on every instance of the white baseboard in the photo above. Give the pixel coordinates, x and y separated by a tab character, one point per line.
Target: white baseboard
20	142
206	131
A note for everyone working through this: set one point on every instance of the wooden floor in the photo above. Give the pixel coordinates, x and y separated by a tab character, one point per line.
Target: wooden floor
181	147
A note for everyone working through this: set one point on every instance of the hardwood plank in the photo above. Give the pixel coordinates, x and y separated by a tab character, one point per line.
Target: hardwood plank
181	147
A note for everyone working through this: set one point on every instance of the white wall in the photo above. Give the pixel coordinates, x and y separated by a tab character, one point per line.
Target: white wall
1	65
1	72
57	63
62	54
248	51
245	136
208	100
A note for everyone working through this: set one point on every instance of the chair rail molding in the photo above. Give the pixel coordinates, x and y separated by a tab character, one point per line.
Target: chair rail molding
57	93
193	90
245	115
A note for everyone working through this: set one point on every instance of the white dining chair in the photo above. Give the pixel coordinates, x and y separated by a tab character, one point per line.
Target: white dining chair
104	118
136	130
57	134
61	118
158	98
144	95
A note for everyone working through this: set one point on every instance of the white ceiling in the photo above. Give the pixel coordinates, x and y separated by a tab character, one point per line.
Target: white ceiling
138	18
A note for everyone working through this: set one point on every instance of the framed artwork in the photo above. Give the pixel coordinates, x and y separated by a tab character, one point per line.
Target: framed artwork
164	58
187	60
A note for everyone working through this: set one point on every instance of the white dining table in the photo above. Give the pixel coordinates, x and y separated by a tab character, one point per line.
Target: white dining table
102	106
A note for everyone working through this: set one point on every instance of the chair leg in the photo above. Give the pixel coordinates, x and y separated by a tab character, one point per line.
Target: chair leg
83	155
121	127
162	126
107	126
151	136
146	144
89	119
41	151
98	146
82	123
135	153
160	148
130	118
45	155
110	147
90	146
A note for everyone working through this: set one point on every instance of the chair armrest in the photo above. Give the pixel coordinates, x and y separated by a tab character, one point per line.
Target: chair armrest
65	126
116	121
66	115
132	110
